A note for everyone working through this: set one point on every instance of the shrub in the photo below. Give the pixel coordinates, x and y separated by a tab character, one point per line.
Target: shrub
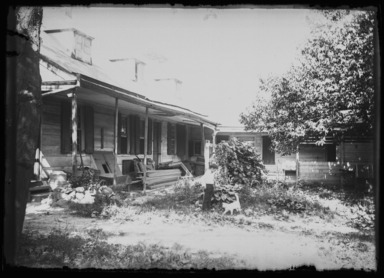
239	163
87	178
225	193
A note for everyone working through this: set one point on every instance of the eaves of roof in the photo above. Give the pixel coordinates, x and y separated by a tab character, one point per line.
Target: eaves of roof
143	101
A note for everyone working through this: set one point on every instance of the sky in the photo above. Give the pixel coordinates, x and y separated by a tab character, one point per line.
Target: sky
218	54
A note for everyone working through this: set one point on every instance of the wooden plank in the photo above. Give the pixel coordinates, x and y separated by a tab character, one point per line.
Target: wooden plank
163	178
39	188
181	164
150	175
162	185
110	158
99	161
145	147
159	181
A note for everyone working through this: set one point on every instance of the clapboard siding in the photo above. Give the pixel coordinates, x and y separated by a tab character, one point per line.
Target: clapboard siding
104	119
312	153
319	171
358	152
51	127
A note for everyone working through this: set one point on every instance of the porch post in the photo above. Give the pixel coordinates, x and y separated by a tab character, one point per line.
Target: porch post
74	132
214	141
40	145
115	137
206	155
145	149
202	139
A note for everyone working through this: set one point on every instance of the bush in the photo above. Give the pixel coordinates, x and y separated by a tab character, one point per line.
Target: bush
87	178
239	163
185	193
225	193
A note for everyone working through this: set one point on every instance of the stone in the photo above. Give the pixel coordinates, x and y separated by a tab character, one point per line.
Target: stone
66	197
61	203
105	190
57	179
79	195
88	199
47	201
80	189
56	195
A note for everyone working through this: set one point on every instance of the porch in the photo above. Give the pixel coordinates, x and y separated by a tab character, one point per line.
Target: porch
88	123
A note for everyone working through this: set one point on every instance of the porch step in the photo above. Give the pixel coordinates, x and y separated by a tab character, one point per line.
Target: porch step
37	198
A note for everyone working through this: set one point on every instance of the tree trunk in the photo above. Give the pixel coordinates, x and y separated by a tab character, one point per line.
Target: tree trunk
208	194
23	100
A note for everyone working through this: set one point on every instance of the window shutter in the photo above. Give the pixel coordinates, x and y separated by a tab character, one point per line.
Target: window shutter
170	139
149	148
132	128
137	134
181	139
66	127
190	148
89	129
119	133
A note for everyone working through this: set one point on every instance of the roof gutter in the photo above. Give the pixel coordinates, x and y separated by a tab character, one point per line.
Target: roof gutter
53	92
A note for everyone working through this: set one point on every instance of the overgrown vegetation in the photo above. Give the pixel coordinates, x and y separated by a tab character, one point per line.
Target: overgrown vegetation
329	91
87	178
239	163
91	250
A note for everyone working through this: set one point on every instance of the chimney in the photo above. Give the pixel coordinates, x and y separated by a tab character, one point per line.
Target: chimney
129	68
169	87
77	44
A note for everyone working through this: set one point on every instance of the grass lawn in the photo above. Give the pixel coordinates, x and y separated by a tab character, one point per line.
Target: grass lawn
279	227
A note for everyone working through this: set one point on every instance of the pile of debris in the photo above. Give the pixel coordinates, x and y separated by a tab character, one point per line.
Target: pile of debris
62	192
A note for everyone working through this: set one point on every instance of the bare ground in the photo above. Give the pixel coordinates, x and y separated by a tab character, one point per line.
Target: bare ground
257	242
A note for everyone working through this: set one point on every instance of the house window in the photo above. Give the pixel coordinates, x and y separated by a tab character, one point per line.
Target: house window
268	154
142	130
136	135
122	134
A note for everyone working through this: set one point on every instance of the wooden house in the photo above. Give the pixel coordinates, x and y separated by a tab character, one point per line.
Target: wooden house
328	163
93	119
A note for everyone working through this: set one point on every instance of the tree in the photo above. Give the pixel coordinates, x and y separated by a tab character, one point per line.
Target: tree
23	112
329	91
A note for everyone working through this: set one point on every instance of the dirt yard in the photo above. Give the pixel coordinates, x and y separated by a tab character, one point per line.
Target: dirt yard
259	241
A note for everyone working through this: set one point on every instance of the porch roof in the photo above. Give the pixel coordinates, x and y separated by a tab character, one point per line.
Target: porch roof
98	87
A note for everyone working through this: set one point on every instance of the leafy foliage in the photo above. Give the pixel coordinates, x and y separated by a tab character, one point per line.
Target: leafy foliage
239	163
87	178
328	92
225	193
92	250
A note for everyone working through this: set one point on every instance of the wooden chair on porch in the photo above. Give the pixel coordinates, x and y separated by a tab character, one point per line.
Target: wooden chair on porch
106	163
